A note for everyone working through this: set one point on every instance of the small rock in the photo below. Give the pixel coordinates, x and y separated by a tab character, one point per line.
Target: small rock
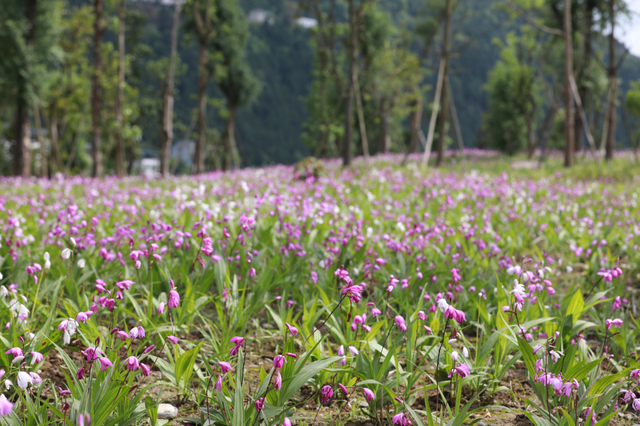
482	424
363	404
167	411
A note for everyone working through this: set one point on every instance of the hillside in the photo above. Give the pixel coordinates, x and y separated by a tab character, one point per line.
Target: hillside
281	55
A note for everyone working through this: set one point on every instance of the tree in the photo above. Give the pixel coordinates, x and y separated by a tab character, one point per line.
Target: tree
202	15
355	13
28	34
632	108
514	94
120	97
96	90
231	71
166	137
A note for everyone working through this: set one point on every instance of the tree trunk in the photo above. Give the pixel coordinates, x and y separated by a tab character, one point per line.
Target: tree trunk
166	136
353	56
22	146
415	122
568	69
120	98
587	54
202	107
96	89
229	143
611	107
442	124
383	141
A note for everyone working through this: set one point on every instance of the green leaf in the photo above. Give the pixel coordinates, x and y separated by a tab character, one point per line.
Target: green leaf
238	403
605	381
306	373
184	365
576	306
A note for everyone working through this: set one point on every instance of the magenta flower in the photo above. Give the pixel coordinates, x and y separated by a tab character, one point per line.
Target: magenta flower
80	373
278	383
173	339
613	322
146	370
37	357
105	363
343	389
401	323
132	363
6	407
174	299
259	404
461	370
278	361
16	352
327	394
225	366
368	394
292	329
401	420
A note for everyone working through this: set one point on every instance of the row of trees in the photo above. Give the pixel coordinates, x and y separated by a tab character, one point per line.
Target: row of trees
55	67
382	73
540	83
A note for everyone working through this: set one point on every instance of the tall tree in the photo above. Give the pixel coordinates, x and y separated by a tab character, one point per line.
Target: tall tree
231	71
355	14
96	90
28	36
120	96
613	83
446	51
166	137
202	14
568	69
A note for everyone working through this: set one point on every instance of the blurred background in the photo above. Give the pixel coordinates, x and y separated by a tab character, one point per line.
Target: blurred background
122	87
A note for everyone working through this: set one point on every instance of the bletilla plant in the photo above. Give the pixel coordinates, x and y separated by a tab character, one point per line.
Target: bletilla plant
373	294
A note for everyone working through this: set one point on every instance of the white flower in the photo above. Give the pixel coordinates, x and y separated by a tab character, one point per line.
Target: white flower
8	383
82	263
569	269
73	241
67	337
454	355
3	291
47	264
17	359
465	352
66	253
1	276
46	256
24	380
443	305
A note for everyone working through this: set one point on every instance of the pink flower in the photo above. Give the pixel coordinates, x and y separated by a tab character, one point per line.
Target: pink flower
278	361
401	420
225	366
105	363
327	394
368	394
461	370
146	370
174	299
161	308
132	363
286	422
421	315
80	373
173	339
613	322
343	389
400	323
16	352
218	385
37	357
292	329
259	404
452	313
6	407
278	383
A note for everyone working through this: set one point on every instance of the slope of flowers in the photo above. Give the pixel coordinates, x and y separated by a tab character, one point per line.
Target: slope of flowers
381	286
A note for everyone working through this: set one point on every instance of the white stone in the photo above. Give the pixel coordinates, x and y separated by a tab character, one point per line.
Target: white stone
167	411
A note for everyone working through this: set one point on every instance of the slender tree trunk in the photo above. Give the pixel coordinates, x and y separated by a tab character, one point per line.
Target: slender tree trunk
202	107
44	157
611	107
363	127
444	116
120	98
568	69
22	146
167	105
415	122
96	90
383	141
353	56
228	140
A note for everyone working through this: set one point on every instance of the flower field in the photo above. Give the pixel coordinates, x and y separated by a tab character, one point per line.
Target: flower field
373	295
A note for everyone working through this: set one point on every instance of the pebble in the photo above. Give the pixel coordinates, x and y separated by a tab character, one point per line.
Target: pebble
482	424
167	411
